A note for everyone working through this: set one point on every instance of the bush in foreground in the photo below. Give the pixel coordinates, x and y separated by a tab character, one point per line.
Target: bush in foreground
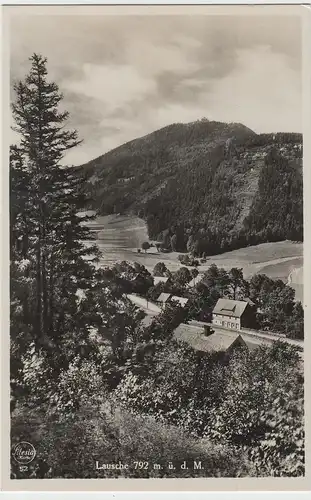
70	449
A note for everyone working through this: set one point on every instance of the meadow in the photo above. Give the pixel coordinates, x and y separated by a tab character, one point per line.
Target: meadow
120	236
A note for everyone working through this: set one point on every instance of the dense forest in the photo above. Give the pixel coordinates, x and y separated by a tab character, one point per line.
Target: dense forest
90	382
209	185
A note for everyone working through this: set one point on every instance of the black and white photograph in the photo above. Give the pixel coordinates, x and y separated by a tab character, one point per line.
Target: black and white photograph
156	244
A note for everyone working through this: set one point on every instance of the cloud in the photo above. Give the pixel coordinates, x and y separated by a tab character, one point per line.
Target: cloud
113	86
126	76
153	60
263	92
254	94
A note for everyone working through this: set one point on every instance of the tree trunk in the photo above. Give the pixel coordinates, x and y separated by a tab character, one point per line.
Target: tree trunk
51	296
38	317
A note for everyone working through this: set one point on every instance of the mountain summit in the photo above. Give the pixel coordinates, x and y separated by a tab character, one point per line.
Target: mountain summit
221	185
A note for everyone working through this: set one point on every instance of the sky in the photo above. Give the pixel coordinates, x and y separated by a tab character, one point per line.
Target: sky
125	76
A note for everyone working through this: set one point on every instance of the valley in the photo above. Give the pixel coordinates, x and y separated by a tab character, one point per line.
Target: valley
119	237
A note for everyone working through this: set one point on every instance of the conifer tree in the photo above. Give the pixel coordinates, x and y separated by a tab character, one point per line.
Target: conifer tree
46	198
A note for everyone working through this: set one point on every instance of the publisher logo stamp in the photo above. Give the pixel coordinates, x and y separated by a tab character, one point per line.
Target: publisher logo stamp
24	452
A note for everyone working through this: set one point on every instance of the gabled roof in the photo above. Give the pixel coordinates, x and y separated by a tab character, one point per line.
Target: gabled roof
194	281
193	335
228	307
222	342
250	302
217	342
181	300
159	279
163	297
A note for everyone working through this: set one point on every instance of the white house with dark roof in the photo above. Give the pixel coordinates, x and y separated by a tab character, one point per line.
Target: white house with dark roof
233	314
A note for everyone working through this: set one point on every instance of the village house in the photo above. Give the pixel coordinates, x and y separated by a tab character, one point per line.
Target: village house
234	314
215	343
163	298
181	300
194	281
160	279
220	342
250	302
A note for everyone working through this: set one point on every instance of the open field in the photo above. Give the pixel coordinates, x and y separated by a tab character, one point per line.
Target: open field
119	237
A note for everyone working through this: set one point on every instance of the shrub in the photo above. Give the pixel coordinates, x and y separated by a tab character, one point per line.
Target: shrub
160	269
70	450
145	246
262	409
253	402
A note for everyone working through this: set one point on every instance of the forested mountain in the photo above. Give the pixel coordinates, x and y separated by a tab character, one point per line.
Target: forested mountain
221	185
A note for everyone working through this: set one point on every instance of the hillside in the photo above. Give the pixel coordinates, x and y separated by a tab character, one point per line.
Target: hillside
206	186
